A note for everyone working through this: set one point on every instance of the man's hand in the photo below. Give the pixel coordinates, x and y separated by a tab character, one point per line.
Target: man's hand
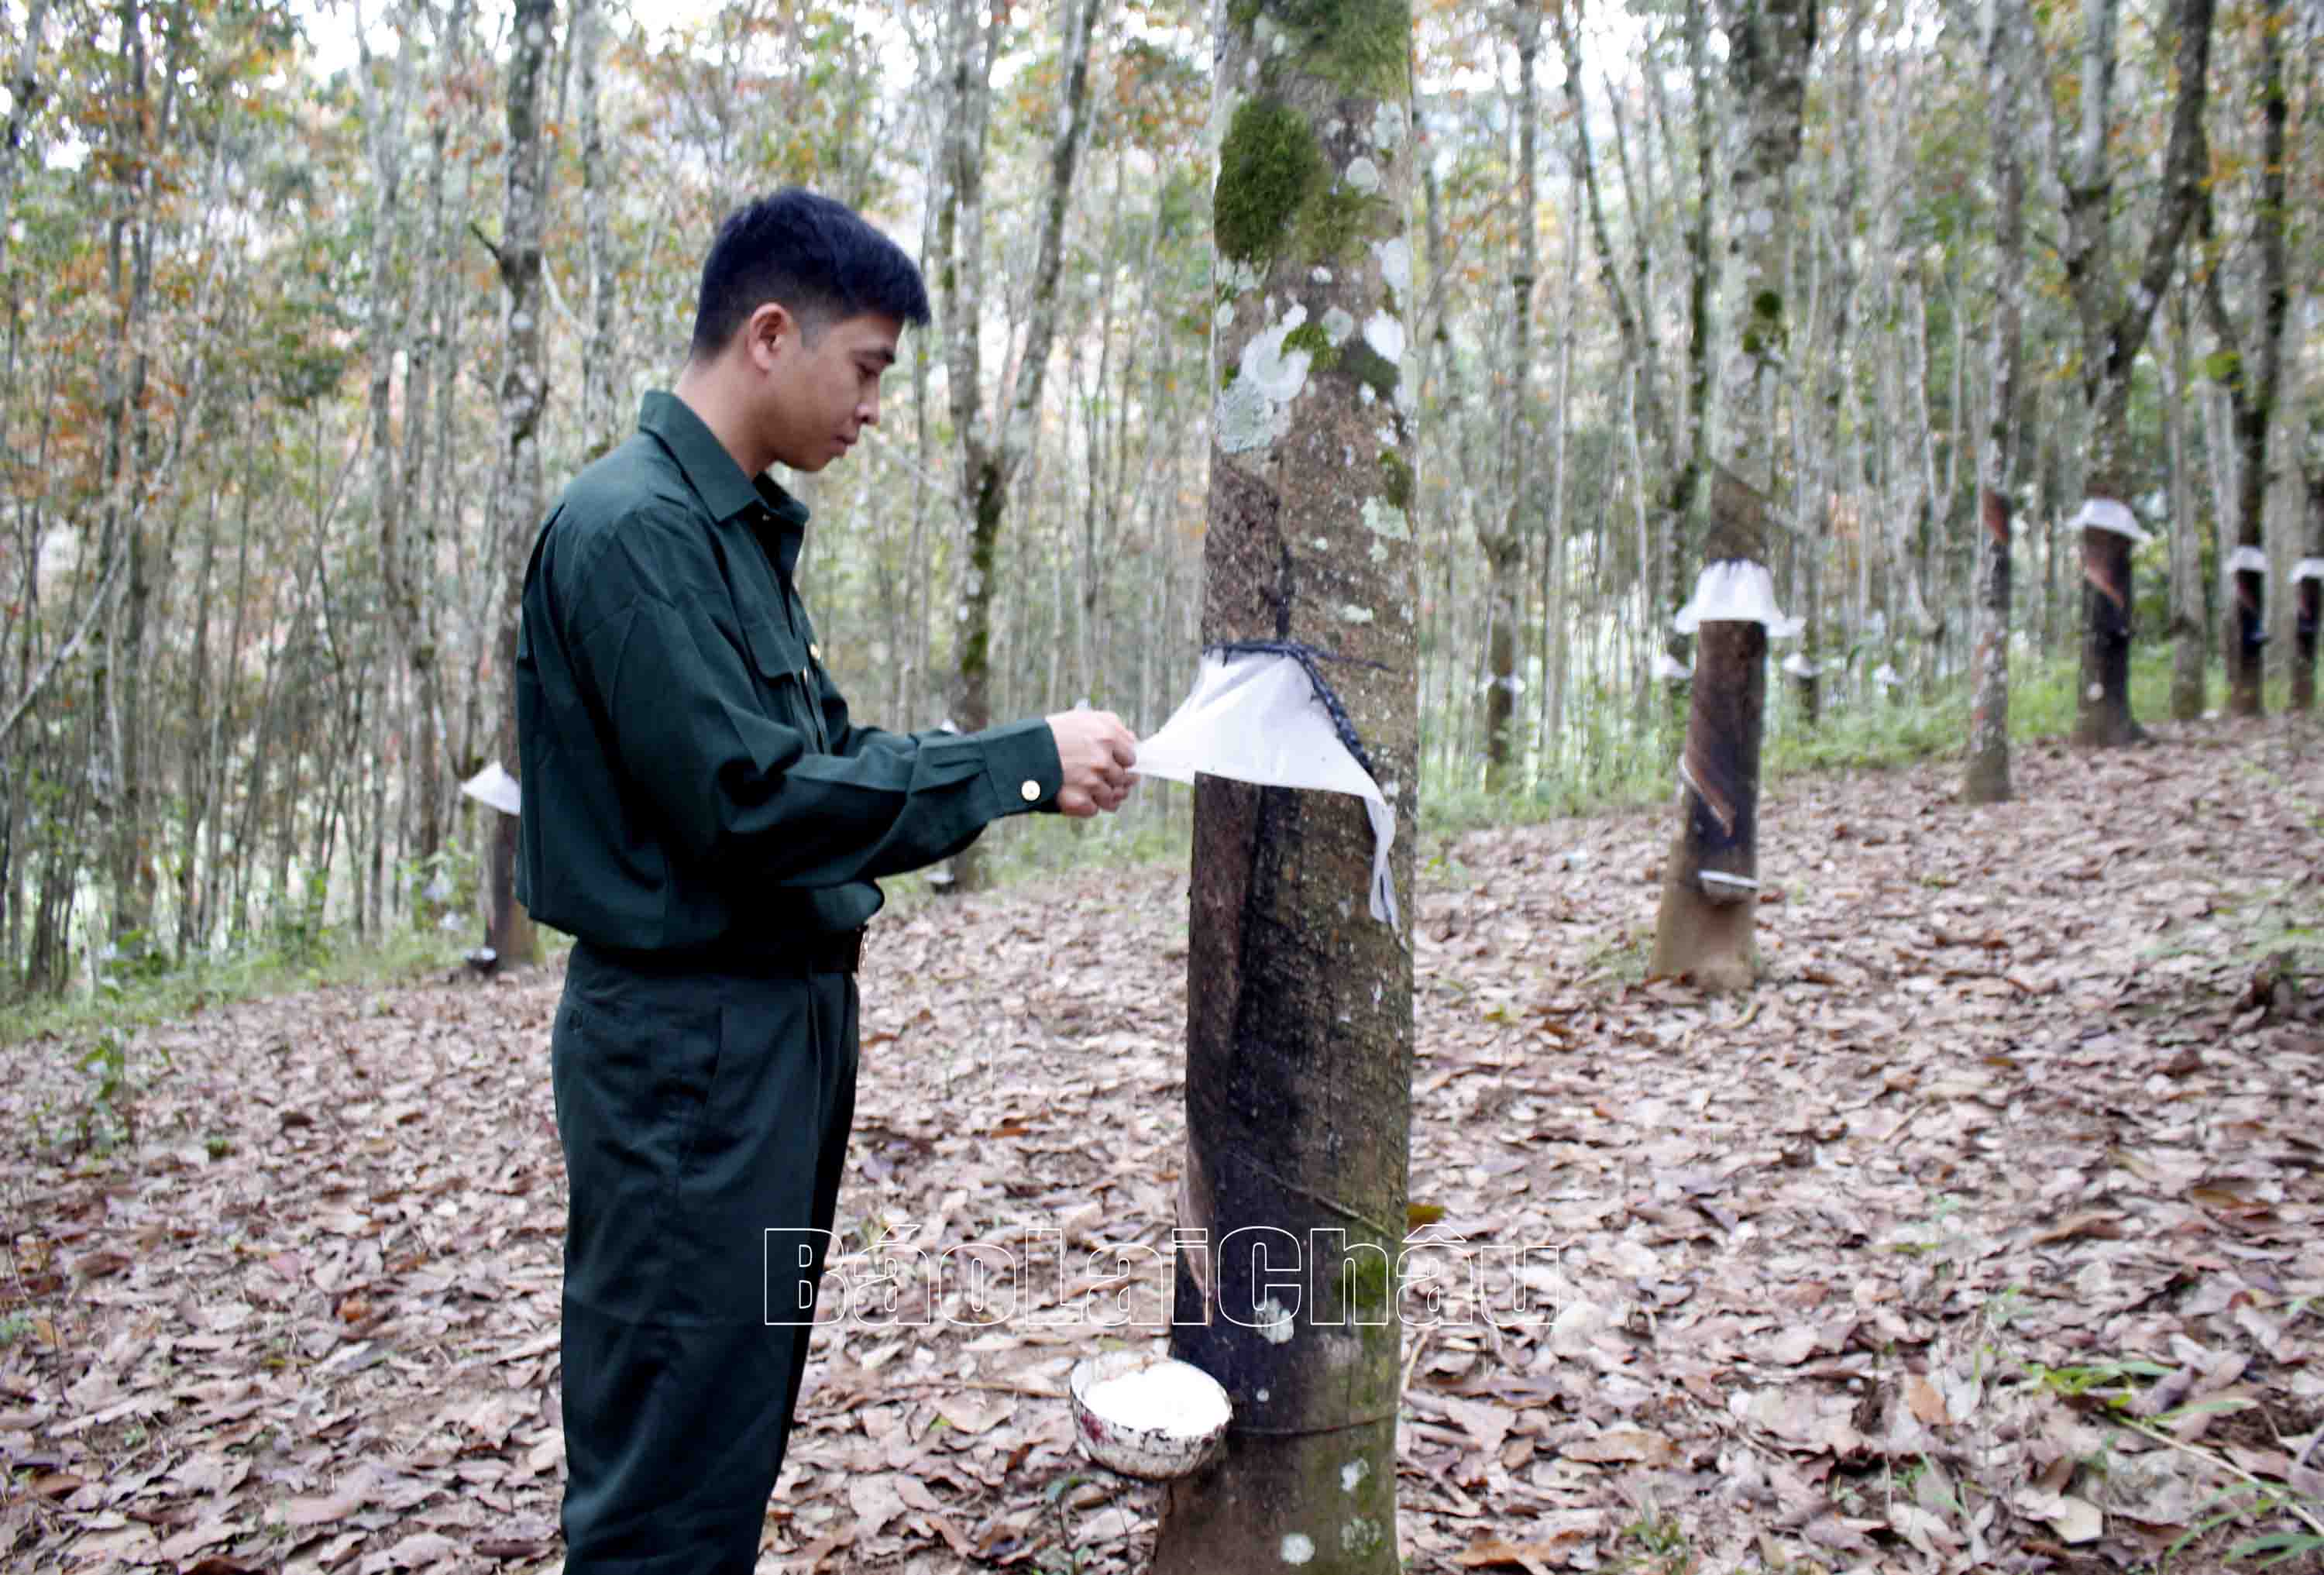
1096	751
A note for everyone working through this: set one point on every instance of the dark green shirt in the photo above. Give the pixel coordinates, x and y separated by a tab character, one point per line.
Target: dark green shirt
691	779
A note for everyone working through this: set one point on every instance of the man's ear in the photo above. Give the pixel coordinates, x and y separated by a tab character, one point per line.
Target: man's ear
769	332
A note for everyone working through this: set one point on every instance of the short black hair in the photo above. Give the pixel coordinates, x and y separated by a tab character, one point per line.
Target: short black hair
815	256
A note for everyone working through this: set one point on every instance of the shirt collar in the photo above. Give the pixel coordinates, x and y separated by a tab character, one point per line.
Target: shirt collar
712	474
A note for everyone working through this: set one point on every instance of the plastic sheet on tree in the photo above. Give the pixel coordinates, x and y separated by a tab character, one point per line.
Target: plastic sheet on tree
2107	514
1256	717
1669	670
2247	560
496	788
1736	590
1800	667
1886	677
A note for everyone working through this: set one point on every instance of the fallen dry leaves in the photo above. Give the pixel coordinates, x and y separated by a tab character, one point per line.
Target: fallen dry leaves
1984	1234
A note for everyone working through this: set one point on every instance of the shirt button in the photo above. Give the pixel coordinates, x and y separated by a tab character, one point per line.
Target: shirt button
1031	790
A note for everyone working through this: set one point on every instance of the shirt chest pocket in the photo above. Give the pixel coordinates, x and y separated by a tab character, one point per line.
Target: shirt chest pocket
786	686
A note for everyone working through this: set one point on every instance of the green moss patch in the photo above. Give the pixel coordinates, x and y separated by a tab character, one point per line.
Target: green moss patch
1268	167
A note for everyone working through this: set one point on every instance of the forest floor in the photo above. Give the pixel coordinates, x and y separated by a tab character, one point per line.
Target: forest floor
1988	1233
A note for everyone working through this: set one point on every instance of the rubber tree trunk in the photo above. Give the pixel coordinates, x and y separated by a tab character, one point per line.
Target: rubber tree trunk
524	395
2190	642
993	452
2103	718
2114	329
1987	777
1504	552
2307	602
1299	1034
2246	627
1986	780
1710	877
2255	367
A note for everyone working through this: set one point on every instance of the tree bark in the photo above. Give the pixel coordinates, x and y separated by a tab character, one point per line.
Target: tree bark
1711	875
1503	548
599	420
2190	646
2008	51
2308	590
1710	878
2114	331
1299	1036
993	453
524	396
2253	363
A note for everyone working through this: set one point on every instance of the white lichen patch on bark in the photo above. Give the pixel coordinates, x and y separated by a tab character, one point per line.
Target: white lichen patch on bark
1353	1474
1395	259
1382	518
1297	1548
1351	613
1339	327
1384	333
1275	1322
1254	411
1388	127
1364	176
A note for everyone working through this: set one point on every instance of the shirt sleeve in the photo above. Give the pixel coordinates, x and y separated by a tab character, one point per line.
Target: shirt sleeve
737	788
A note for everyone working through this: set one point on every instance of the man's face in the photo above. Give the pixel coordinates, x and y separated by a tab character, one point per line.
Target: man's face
822	388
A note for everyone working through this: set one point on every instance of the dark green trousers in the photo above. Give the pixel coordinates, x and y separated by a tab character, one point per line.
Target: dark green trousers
704	1116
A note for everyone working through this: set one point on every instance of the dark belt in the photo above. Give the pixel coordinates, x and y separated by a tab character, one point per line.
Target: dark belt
768	958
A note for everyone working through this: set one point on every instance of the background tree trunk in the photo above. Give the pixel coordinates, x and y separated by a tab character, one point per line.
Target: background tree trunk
1704	926
2114	330
2308	590
993	454
2253	363
1504	548
1299	1034
1986	780
524	395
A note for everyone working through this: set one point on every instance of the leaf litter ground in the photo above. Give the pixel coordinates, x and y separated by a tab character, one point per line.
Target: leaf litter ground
1983	1235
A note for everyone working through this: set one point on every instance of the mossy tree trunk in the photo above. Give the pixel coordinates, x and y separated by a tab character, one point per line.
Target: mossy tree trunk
1300	1036
1710	878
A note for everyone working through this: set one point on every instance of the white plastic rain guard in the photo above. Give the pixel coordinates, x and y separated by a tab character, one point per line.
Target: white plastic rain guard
2107	514
496	788
1669	670
2247	560
2307	568
1799	666
1736	590
1256	718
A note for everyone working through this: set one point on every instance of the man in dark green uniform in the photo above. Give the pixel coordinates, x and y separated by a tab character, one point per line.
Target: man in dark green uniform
700	811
